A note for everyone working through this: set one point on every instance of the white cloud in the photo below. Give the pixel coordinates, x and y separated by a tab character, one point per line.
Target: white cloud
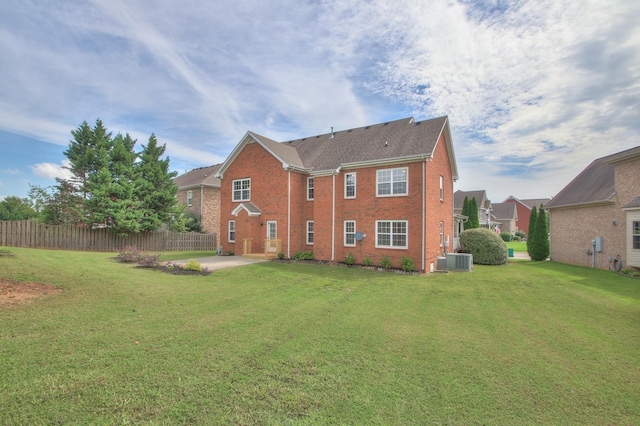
51	171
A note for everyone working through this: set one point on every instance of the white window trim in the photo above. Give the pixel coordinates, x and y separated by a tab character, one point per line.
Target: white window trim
233	190
441	188
189	198
345	233
406	222
406	169
633	234
232	224
354	185
269	223
310	222
311	181
441	234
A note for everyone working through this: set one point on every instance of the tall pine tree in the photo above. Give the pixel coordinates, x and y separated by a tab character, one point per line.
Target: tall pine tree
531	232
465	211
156	190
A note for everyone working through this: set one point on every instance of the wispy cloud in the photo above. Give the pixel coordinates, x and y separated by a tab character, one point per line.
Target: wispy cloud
535	89
52	171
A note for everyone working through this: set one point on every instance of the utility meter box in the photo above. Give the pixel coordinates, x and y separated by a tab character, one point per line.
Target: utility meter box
597	244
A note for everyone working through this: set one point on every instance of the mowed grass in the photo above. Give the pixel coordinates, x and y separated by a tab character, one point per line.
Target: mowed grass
278	343
520	246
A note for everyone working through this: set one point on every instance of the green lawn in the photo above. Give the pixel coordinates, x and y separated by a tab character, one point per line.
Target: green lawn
517	245
279	343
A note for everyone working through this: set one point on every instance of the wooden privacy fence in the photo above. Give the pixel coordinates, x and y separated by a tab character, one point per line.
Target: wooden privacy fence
29	233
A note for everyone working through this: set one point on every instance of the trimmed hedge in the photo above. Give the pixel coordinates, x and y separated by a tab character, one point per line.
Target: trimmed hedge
486	246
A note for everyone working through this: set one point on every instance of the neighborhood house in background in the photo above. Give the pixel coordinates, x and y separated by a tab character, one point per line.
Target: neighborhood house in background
374	191
199	191
595	219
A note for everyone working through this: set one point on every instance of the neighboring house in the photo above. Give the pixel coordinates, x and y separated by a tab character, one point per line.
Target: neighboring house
595	220
199	190
485	208
506	215
374	191
524	208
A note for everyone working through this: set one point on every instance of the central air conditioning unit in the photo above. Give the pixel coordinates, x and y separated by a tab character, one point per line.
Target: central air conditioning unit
459	261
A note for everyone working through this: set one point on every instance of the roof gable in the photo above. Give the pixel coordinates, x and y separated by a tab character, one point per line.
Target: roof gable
479	195
400	140
203	176
595	184
504	211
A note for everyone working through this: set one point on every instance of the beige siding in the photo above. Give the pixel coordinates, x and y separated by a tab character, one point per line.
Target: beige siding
633	256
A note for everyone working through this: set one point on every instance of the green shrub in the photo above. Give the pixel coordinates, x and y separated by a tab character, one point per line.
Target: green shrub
303	255
506	236
516	238
521	234
367	261
486	246
229	253
349	259
281	256
407	264
192	265
385	262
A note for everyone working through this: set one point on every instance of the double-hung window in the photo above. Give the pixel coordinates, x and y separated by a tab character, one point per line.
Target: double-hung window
242	190
310	232
441	234
391	234
349	233
636	235
232	231
310	189
441	188
189	198
350	185
392	182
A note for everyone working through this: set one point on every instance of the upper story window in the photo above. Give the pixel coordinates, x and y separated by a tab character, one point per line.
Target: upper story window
310	188
441	188
242	190
350	185
189	198
392	182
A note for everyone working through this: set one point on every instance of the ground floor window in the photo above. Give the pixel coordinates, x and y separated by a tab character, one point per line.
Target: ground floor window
391	234
350	233
309	232
441	234
232	231
635	238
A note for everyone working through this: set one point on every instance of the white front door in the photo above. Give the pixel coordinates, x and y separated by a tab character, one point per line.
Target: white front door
272	234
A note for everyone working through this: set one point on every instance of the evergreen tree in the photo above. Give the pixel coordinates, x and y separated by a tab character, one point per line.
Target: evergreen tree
540	245
83	153
531	232
465	211
64	206
474	219
156	189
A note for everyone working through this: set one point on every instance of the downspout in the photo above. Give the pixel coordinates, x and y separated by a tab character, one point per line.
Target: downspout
201	202
424	210
289	216
333	216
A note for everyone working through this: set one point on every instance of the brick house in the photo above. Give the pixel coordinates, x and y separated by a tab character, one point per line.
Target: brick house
199	190
595	220
523	210
384	189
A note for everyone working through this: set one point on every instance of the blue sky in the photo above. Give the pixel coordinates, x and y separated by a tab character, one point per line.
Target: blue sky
534	90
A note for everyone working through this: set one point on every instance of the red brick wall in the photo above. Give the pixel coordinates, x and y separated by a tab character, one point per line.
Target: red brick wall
269	192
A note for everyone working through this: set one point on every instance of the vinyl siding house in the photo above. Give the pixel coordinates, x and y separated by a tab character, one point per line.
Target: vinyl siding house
485	208
506	215
199	190
595	220
374	191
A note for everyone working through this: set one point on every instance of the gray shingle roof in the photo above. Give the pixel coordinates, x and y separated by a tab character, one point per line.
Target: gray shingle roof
504	211
200	176
594	184
394	139
635	203
535	202
480	196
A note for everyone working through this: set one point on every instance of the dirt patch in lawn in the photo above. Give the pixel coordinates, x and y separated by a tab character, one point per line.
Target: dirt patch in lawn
15	292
